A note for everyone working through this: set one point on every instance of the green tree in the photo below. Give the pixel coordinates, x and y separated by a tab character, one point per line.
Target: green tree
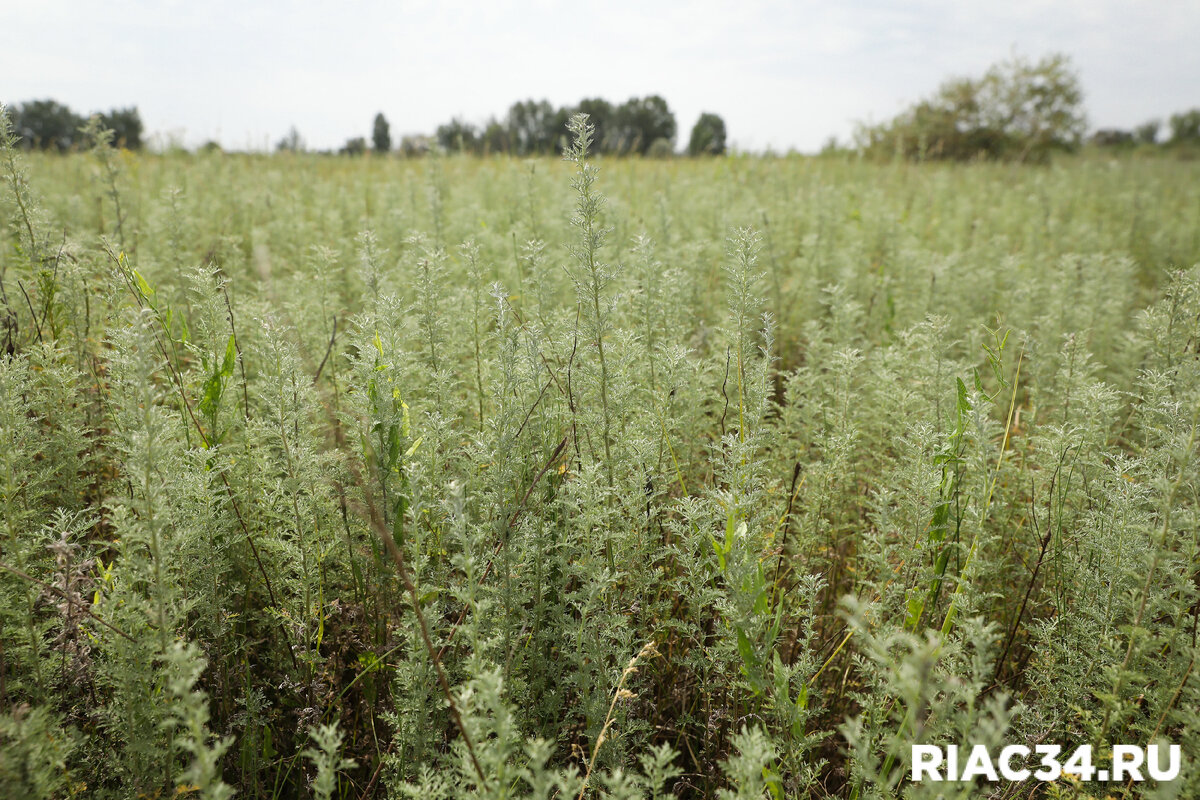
46	125
1185	127
533	127
292	142
708	136
494	138
457	136
556	130
1019	110
642	121
354	147
1147	132
126	125
1112	137
600	115
381	134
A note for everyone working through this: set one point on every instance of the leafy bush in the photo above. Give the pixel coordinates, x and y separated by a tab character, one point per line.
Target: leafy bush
1018	111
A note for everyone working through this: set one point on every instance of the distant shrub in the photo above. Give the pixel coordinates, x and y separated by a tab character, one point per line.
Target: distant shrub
708	136
1018	111
1112	137
1185	128
292	142
1147	132
661	148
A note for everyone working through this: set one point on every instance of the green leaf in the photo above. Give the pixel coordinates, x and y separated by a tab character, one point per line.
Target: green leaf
230	357
745	648
393	446
751	666
143	287
409	452
758	588
774	784
720	552
268	750
214	387
212	395
915	608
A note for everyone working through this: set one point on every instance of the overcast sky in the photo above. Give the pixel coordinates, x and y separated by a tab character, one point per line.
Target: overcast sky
782	74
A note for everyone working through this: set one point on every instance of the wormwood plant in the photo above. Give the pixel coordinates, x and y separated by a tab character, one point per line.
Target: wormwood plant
591	276
448	480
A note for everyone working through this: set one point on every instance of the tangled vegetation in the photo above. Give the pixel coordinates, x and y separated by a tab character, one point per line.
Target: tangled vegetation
454	479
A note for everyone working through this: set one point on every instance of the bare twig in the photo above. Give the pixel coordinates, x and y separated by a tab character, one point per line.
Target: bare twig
397	556
32	313
237	345
50	588
328	350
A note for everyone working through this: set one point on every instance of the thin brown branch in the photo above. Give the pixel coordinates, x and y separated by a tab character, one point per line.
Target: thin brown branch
512	520
328	350
50	588
397	556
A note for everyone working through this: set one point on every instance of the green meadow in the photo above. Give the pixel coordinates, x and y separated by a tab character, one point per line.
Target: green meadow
458	477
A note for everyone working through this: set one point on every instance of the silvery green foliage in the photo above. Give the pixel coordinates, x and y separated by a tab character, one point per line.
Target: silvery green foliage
35	752
751	772
189	728
325	755
870	455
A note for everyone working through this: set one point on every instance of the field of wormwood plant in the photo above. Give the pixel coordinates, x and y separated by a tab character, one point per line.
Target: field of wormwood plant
460	478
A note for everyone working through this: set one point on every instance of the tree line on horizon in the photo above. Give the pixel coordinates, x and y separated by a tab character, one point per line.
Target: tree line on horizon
640	126
1019	110
643	126
51	125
